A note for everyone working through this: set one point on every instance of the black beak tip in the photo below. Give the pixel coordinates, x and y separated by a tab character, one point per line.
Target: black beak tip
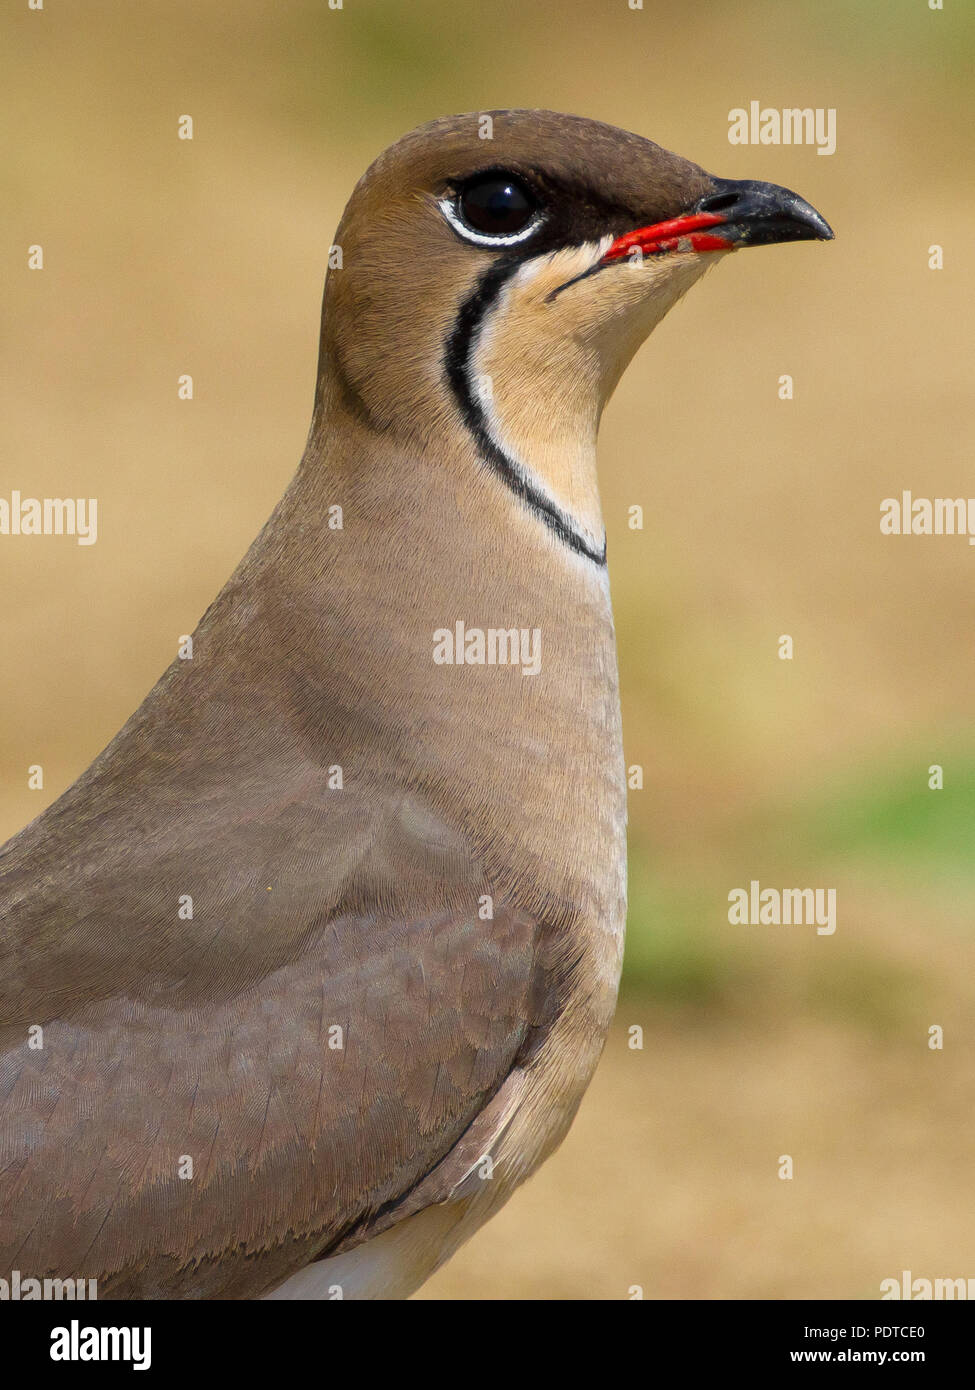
805	216
763	214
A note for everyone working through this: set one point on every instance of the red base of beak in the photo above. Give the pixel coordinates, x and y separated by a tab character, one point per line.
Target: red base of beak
665	236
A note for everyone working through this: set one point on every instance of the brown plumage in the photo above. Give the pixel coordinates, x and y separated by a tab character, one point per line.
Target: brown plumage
455	907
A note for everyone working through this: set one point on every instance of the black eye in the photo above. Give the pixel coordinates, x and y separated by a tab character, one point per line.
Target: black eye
496	205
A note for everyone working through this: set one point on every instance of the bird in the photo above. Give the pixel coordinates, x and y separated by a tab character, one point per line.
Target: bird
311	968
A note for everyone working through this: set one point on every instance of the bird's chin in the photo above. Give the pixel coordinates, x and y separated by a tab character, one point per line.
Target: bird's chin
655	269
633	297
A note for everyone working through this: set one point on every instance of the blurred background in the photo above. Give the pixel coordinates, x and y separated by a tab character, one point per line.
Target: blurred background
164	256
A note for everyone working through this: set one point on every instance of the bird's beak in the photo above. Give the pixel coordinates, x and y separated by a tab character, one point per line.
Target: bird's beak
737	212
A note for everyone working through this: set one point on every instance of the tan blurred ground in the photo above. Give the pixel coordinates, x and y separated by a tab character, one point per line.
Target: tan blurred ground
669	1178
164	257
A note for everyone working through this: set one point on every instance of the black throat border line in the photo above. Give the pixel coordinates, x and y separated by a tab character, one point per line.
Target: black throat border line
457	363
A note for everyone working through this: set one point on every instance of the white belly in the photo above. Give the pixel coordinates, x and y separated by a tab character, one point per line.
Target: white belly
392	1265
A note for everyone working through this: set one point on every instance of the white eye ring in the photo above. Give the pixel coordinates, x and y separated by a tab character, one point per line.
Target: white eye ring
448	208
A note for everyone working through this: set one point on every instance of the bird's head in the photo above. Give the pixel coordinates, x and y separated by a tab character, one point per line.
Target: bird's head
498	271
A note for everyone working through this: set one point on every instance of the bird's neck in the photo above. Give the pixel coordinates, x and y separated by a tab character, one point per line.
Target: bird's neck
431	542
533	410
542	418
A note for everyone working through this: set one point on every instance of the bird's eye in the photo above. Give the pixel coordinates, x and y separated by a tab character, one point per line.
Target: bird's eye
496	206
493	209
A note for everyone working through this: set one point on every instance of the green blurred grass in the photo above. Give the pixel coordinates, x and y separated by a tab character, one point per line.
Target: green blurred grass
894	820
882	836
